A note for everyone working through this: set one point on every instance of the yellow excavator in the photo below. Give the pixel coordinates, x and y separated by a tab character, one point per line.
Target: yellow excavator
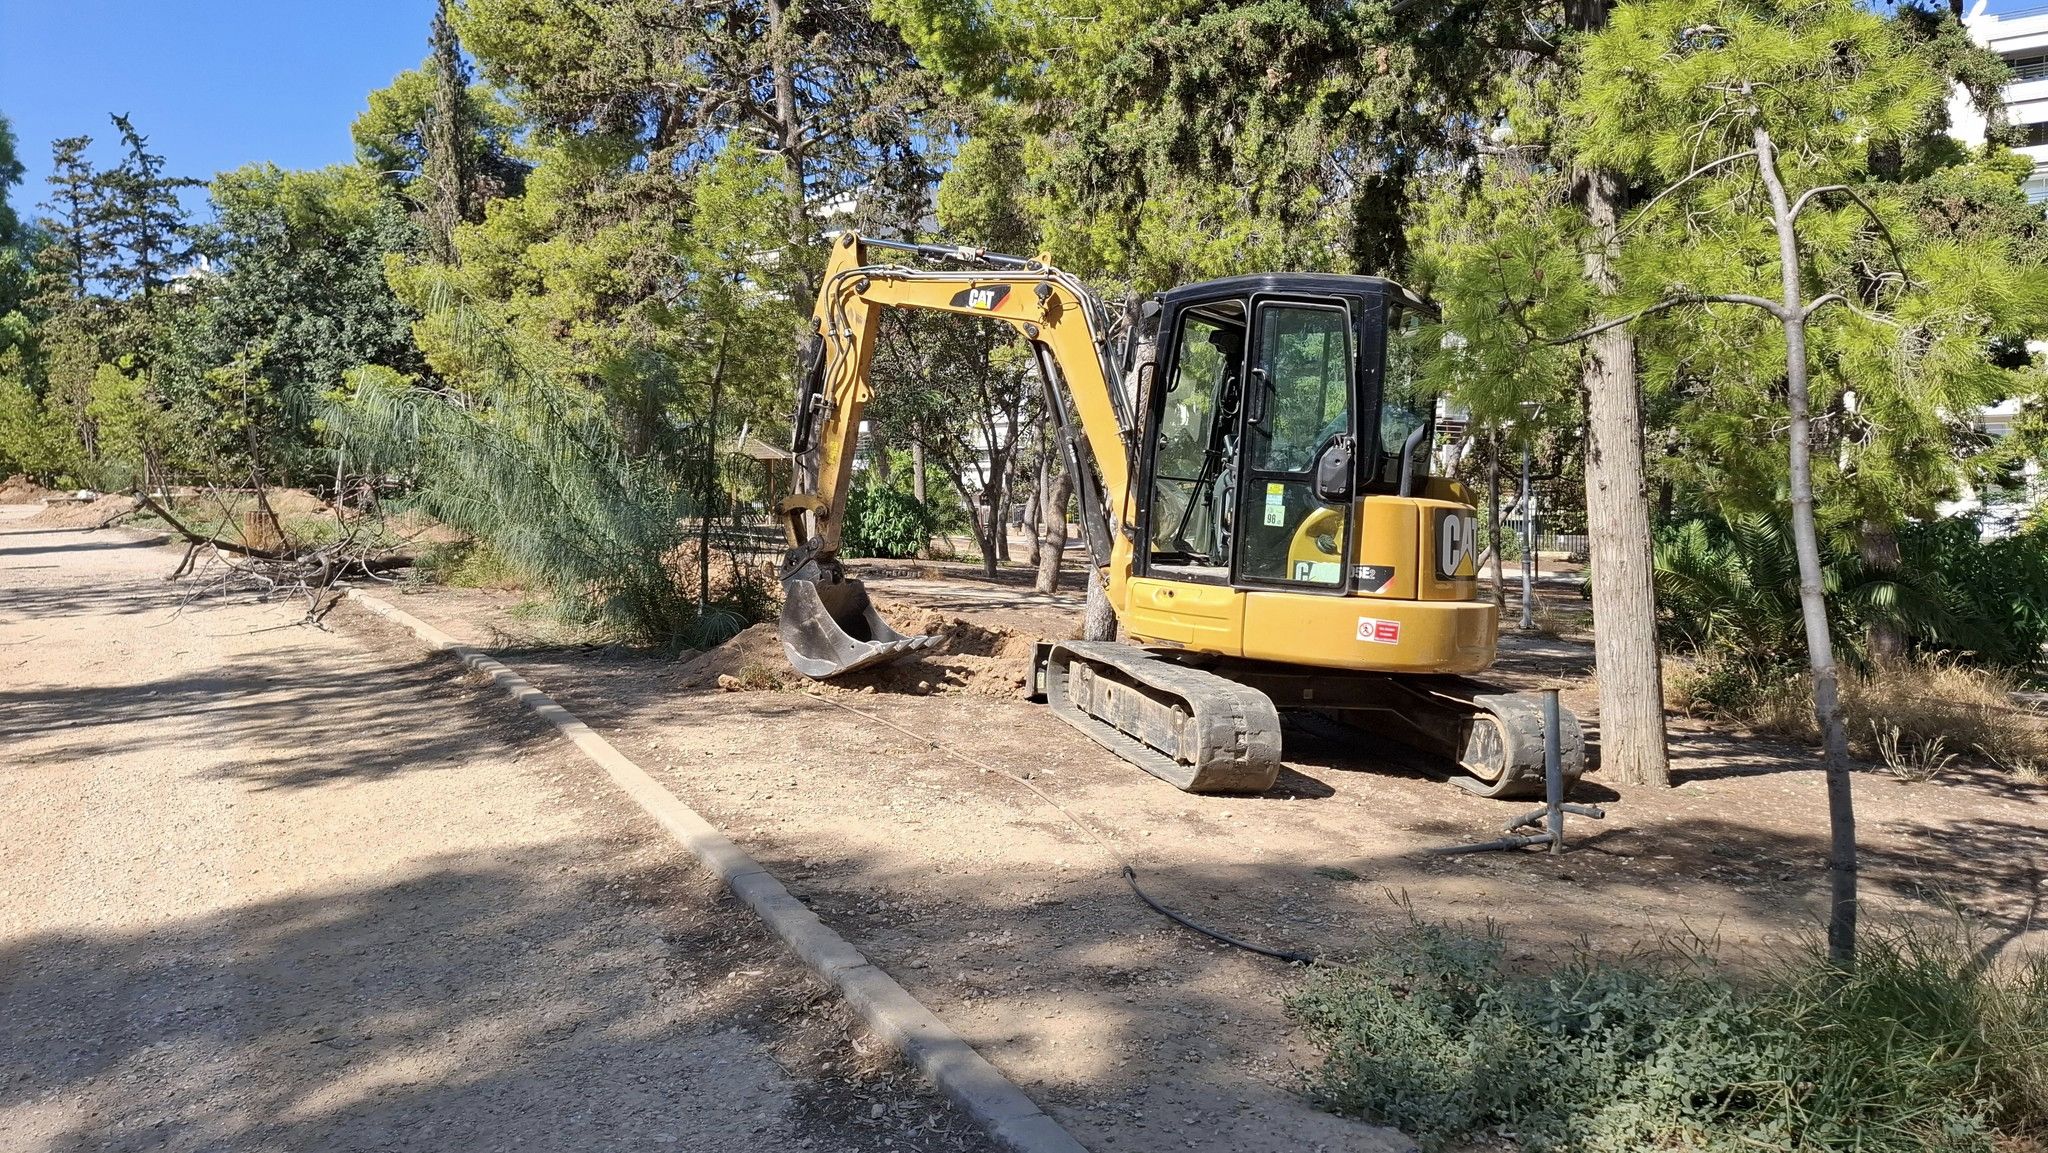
1251	459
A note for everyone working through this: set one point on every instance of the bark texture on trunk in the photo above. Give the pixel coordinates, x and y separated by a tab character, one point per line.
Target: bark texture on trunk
1052	542
1034	512
1625	652
1879	544
1813	605
1100	622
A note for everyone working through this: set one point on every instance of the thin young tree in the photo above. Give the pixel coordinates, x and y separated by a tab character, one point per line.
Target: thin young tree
1759	118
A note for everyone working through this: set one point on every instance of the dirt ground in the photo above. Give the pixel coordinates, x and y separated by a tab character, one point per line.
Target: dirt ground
19	489
265	886
987	903
1016	927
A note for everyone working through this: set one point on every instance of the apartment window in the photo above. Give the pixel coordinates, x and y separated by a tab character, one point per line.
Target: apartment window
2037	135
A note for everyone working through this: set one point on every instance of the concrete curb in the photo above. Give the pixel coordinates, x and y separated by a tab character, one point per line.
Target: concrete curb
949	1062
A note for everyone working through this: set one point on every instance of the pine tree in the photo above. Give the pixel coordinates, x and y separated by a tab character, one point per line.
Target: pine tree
79	243
446	135
145	223
1760	119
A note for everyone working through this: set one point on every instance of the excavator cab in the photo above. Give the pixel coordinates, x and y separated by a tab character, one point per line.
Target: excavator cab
1288	513
1276	403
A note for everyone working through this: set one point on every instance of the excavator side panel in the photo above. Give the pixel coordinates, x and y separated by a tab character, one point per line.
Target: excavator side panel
1384	636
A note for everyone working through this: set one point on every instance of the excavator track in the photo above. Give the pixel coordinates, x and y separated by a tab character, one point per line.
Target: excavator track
1494	738
1502	746
1148	709
1193	729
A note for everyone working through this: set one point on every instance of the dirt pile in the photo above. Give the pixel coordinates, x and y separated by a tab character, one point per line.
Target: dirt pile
974	658
294	502
18	489
753	659
96	513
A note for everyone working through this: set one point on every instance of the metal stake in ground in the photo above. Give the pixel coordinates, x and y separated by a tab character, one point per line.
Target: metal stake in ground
1549	818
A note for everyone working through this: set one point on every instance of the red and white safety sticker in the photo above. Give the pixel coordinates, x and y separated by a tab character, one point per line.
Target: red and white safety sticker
1379	631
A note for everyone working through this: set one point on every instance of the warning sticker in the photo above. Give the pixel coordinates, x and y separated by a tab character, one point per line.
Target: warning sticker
1378	631
1276	505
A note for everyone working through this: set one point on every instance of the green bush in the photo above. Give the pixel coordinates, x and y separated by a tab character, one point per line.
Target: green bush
1918	1049
1995	591
885	521
1728	592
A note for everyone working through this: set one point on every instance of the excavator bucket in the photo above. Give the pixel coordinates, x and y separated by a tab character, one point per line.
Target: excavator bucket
831	627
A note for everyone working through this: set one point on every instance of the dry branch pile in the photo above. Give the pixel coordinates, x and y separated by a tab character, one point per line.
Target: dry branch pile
269	560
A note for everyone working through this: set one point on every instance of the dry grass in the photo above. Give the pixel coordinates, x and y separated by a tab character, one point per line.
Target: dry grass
1932	704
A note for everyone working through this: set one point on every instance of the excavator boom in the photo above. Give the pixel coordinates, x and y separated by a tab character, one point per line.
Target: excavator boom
829	626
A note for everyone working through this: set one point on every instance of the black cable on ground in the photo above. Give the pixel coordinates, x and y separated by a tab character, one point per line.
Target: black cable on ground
1131	877
1130	874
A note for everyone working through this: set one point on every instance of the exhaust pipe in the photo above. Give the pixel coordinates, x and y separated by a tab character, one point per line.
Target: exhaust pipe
829	627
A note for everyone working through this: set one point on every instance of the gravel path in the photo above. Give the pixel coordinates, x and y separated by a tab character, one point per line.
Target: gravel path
267	887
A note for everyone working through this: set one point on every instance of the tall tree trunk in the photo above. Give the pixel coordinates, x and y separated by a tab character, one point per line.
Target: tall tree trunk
917	470
1034	510
995	528
1625	650
1500	592
1099	623
709	492
1052	544
1879	542
878	453
1813	605
788	130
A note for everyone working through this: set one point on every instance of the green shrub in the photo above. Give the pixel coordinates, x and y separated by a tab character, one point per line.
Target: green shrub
1995	592
466	564
1918	1049
885	521
538	475
1728	592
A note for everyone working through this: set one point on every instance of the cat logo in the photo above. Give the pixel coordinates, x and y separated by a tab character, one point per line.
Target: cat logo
1456	541
983	299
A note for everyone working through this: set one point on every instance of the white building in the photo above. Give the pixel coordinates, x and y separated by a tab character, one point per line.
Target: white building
2022	38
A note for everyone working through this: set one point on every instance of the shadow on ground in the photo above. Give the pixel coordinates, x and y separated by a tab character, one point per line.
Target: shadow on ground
468	1006
322	709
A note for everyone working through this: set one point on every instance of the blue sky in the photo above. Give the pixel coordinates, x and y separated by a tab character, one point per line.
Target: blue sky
214	84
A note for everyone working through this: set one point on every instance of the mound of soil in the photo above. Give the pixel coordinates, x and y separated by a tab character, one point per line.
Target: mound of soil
18	489
289	502
97	513
974	658
754	657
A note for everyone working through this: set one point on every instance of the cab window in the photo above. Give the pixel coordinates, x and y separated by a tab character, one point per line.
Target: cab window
1405	404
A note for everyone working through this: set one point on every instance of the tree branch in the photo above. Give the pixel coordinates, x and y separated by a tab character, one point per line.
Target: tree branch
1702	170
1813	306
1799	206
1765	303
195	538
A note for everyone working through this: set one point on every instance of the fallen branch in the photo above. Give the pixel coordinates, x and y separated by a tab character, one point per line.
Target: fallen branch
197	540
310	571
